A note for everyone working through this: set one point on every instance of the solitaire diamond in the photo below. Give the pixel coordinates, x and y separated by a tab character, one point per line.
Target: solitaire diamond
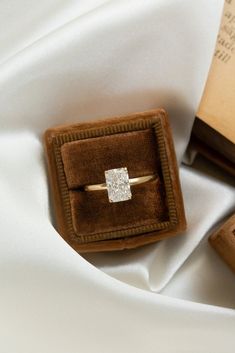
118	185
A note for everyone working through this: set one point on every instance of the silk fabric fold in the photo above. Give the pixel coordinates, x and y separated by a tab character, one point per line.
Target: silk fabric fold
68	61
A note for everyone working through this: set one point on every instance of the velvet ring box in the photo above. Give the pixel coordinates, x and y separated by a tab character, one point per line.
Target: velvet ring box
79	155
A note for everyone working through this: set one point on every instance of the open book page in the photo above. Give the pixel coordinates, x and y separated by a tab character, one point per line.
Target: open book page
217	107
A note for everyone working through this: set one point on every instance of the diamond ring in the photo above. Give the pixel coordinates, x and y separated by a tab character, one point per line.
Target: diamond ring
118	184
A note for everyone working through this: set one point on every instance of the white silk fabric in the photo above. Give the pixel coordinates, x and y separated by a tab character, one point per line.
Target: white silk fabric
64	61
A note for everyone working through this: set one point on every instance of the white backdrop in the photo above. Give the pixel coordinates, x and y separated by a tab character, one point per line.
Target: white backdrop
67	61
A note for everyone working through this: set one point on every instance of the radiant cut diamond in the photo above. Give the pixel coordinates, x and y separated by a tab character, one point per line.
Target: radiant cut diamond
118	186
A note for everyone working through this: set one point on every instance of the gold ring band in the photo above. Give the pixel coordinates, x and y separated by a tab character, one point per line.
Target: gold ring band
132	181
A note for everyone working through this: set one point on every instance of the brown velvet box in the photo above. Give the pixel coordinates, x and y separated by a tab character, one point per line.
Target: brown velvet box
79	154
223	242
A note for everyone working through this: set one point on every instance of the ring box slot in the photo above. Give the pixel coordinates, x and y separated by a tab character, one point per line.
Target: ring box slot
86	160
93	214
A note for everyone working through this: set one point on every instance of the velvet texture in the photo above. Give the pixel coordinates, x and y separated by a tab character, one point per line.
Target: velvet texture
93	213
85	162
79	155
223	241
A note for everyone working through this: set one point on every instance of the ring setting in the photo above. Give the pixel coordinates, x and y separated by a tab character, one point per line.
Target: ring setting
118	184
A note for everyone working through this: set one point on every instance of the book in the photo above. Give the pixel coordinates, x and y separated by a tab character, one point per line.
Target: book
213	133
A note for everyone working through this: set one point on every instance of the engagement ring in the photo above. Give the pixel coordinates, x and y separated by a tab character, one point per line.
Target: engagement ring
118	184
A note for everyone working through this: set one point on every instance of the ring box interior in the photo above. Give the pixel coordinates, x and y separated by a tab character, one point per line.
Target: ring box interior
79	154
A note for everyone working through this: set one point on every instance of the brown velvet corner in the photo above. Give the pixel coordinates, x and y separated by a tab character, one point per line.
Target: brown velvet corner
223	242
79	154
